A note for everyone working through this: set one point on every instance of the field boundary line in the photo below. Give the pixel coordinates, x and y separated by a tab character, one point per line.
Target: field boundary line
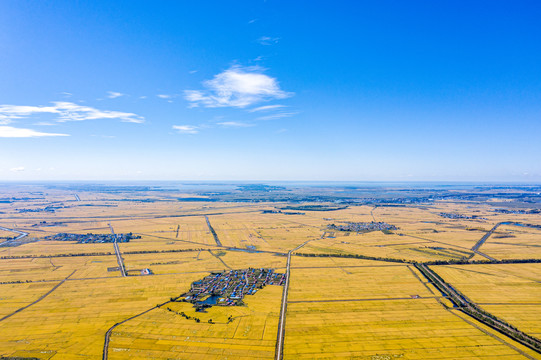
492	335
369	299
105	355
39	299
468	307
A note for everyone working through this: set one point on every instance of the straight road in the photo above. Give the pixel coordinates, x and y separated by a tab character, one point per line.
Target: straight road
477	245
117	252
485	237
218	242
281	325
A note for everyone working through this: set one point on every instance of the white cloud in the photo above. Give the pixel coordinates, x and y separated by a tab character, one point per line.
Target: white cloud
17	169
186	129
267	108
277	116
11	132
64	111
44	123
267	40
234	124
165	96
237	87
114	95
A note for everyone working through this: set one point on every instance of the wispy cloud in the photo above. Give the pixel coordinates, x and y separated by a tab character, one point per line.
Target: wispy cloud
267	108
17	169
268	40
164	96
277	116
44	123
114	95
234	124
64	111
186	129
237	87
11	132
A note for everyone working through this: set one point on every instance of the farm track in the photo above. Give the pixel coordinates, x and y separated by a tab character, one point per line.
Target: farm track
372	213
105	355
435	241
342	266
137	253
223	262
369	299
39	299
492	335
174	239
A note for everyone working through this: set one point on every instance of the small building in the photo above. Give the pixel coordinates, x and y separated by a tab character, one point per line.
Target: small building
146	271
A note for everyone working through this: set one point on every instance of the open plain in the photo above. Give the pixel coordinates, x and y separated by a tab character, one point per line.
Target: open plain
353	289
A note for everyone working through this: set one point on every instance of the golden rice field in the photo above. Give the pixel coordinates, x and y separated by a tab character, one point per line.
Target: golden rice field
166	335
383	312
514	242
509	291
59	298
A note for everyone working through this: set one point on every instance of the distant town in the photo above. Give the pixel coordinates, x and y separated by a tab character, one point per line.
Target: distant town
363	226
93	238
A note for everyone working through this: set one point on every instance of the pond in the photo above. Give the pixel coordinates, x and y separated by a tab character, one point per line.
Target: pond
211	300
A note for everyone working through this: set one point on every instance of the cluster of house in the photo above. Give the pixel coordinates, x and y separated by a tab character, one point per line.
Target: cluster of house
459	216
363	226
518	211
229	287
50	209
93	238
282	212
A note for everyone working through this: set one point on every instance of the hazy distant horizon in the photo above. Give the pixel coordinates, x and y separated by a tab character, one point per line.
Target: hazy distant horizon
412	183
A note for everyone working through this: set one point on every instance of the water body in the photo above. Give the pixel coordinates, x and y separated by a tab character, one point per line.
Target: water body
211	300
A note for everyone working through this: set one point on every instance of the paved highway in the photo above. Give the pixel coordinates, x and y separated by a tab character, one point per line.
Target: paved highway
476	247
281	325
21	234
218	242
117	252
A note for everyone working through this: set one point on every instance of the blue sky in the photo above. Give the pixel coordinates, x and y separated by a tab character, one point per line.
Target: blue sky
270	90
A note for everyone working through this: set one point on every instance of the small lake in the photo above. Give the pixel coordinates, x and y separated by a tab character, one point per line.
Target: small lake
211	300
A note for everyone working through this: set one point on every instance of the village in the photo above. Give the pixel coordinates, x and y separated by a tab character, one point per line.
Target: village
460	216
228	288
93	238
363	226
